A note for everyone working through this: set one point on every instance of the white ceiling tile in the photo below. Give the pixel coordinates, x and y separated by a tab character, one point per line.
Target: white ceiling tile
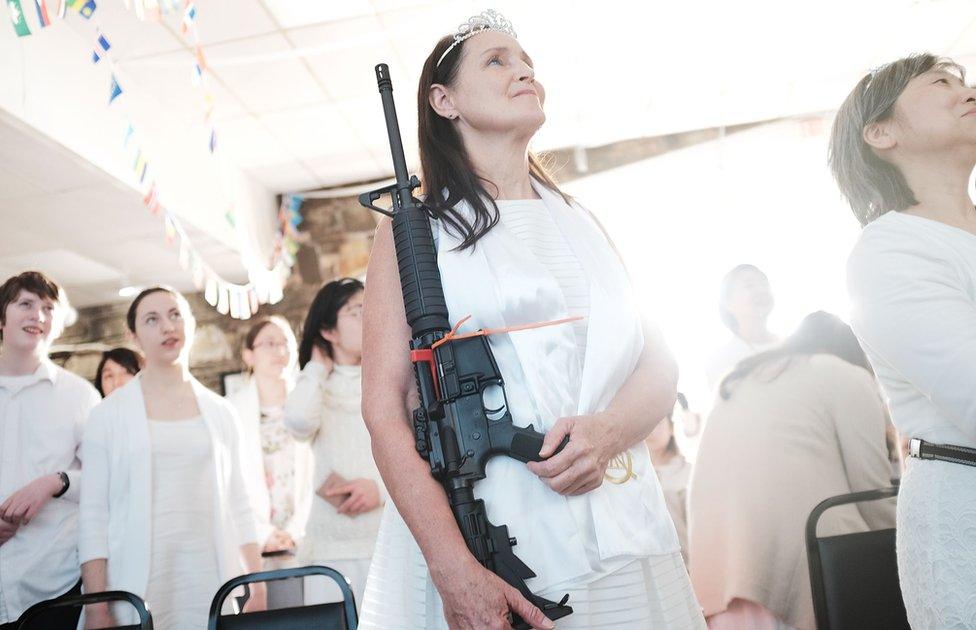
67	266
337	170
286	177
224	20
294	13
248	143
264	85
14	186
311	132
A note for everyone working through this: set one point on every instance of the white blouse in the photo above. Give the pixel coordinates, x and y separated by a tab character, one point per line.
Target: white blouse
912	283
530	221
183	572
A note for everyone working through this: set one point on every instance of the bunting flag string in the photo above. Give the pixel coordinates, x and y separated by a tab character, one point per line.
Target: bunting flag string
42	17
265	285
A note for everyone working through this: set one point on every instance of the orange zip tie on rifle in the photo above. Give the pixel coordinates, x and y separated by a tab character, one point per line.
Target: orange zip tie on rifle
484	332
426	355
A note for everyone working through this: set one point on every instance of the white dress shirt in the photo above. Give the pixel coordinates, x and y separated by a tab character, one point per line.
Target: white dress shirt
41	421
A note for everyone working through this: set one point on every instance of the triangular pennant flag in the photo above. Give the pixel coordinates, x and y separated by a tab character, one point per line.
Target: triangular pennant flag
234	305
223	301
196	270
150	194
201	60
169	225
17	18
184	255
101	47
87	9
115	90
128	135
42	16
189	15
62	8
210	293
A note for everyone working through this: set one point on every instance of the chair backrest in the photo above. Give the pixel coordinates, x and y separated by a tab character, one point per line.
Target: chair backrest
854	577
338	616
33	617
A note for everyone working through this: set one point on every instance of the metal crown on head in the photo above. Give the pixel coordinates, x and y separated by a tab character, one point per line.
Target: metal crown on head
489	20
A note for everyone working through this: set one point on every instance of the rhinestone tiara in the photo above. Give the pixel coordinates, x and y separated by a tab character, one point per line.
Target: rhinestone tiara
489	20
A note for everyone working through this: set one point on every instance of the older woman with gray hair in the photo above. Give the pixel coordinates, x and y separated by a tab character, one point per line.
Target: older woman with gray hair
902	150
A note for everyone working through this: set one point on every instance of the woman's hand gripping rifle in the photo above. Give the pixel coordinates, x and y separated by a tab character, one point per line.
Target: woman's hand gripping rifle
463	418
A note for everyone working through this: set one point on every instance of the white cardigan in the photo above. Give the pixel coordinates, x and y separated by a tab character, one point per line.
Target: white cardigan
248	407
912	283
116	491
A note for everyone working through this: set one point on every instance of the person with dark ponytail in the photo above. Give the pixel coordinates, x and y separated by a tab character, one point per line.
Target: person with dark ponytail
514	250
791	426
164	511
902	150
324	411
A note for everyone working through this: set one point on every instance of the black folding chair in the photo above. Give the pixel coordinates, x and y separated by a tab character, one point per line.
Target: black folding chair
334	616
854	577
33	617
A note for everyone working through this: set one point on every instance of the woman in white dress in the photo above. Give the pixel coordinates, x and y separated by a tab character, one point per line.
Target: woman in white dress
902	150
276	468
164	512
513	250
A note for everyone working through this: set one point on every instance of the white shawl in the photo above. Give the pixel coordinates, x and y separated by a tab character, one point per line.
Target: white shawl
500	283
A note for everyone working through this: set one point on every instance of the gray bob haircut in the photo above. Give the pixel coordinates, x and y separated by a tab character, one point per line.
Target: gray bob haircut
871	185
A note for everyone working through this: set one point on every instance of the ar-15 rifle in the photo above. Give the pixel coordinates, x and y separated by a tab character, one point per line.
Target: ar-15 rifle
463	418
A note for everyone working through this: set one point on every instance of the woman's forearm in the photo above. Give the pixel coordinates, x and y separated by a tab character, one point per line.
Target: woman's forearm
420	500
646	397
251	554
94	576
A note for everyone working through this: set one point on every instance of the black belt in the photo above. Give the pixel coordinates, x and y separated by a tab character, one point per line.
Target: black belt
942	452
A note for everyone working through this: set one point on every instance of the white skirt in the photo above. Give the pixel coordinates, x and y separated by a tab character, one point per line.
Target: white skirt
652	592
937	544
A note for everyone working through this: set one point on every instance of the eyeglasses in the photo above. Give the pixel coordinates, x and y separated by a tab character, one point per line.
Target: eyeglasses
274	345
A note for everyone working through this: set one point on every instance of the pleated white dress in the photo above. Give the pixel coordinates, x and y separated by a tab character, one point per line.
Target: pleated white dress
183	569
621	593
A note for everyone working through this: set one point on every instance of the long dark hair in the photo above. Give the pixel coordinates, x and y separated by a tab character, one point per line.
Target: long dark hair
444	163
323	314
818	333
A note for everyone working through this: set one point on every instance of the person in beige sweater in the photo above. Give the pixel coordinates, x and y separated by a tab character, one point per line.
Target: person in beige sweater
324	411
791	427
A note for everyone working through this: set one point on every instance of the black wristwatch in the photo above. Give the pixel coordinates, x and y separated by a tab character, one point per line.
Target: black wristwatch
65	484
